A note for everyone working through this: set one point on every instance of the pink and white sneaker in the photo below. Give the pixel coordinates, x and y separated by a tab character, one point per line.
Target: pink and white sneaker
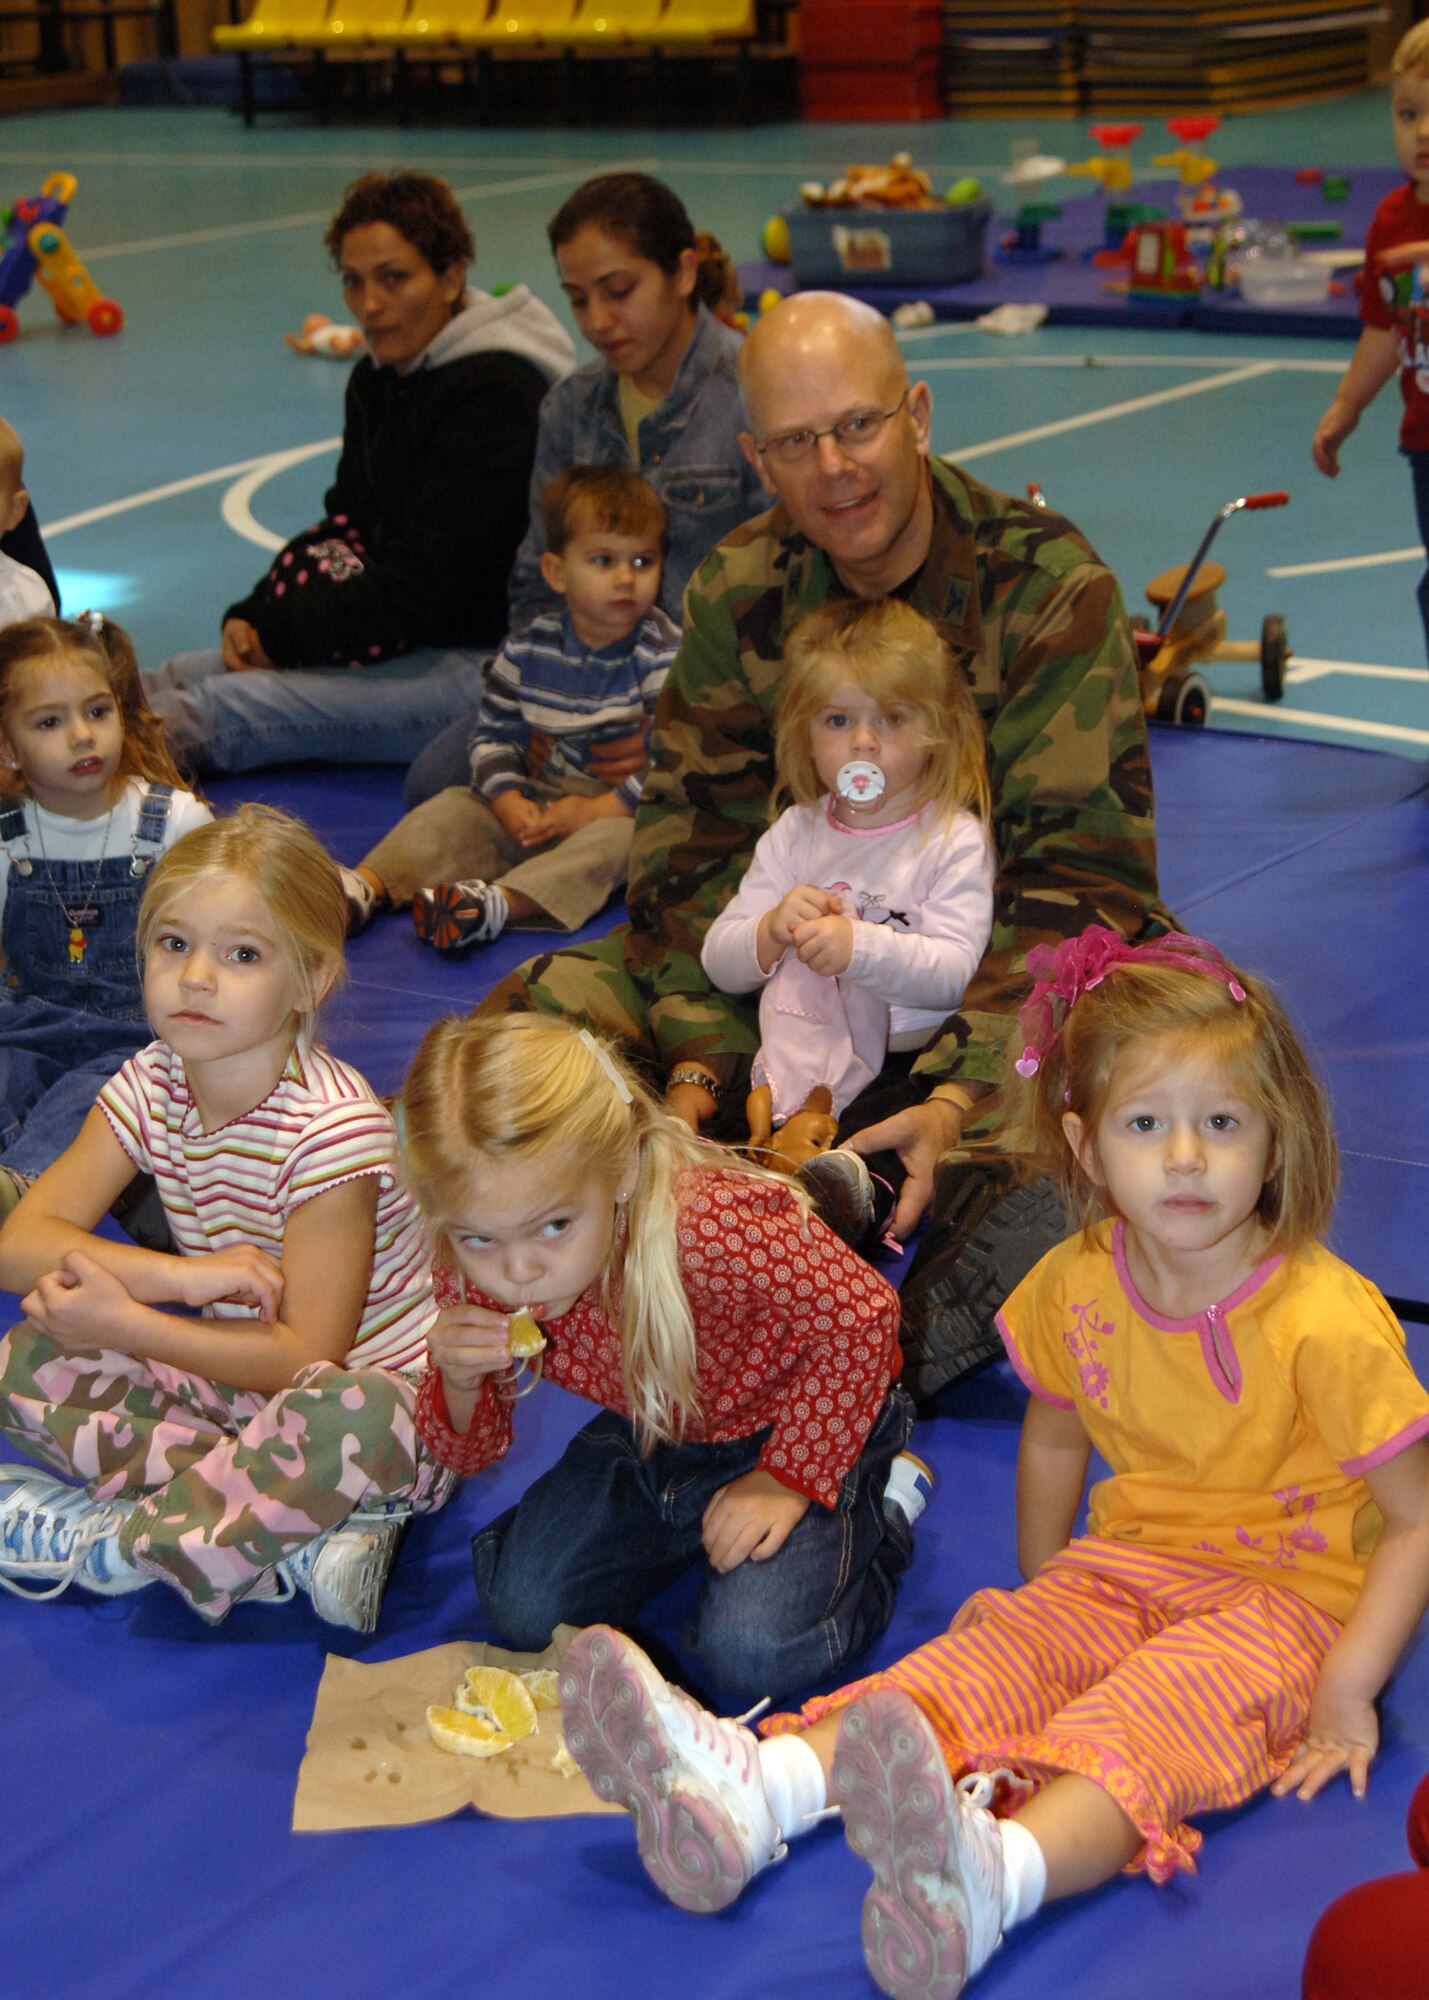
691	1779
933	1916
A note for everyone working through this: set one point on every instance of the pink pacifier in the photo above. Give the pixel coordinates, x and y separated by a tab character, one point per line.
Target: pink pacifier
860	783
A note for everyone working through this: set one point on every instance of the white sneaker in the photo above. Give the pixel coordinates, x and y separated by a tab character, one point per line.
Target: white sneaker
933	1916
910	1486
345	1571
691	1779
53	1535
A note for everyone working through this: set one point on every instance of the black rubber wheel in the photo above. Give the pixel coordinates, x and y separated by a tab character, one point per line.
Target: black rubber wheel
1185	699
1274	652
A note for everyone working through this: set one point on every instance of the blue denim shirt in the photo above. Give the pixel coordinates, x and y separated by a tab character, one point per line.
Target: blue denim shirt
689	452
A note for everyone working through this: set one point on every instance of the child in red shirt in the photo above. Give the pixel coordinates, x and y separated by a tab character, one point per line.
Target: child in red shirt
742	1355
1393	301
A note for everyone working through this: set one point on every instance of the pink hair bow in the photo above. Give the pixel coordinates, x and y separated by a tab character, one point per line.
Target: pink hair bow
1068	970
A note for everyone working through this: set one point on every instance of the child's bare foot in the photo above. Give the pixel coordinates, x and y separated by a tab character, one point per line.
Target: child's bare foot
691	1779
933	1916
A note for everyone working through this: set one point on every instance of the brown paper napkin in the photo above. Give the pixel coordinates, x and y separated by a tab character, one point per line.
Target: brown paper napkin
370	1761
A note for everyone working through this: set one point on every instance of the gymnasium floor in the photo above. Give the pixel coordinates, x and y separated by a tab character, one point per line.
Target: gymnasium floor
153	1760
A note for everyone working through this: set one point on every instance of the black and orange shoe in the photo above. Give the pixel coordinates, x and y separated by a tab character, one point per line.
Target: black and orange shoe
454	915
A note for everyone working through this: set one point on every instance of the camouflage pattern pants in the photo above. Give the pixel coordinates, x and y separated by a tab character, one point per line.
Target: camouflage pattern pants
599	985
226	1482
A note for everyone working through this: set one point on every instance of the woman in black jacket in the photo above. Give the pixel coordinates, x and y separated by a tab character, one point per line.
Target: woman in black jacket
405	575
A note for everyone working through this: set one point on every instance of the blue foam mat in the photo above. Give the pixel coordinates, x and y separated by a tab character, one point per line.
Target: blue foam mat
153	1760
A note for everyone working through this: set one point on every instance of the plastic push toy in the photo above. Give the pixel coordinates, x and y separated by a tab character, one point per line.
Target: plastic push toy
1192	628
35	246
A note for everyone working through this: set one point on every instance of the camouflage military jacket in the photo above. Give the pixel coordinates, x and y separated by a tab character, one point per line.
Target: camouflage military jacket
1038	622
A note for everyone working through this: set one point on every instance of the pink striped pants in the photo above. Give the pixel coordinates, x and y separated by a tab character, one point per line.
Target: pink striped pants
1176	1687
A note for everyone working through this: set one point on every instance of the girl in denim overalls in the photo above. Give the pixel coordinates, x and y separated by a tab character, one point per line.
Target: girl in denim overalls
89	796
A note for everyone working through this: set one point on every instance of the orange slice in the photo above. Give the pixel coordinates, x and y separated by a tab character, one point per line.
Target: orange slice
564	1762
498	1697
466	1735
527	1339
543	1684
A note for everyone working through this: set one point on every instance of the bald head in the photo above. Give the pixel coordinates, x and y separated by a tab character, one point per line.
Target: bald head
808	338
839	435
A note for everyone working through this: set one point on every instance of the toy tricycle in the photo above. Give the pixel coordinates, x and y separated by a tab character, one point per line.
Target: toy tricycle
35	246
1192	627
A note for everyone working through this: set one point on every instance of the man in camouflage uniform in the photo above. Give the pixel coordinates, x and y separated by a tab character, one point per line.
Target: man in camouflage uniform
841	440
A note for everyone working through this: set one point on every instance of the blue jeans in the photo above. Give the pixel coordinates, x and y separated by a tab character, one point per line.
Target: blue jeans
1419	471
53	1062
385	714
444	762
605	1529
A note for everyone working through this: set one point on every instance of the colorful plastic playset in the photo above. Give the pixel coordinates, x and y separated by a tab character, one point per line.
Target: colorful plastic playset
36	247
1277	251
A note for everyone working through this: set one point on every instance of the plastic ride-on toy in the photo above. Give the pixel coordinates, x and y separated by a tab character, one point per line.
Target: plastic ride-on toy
35	246
1192	628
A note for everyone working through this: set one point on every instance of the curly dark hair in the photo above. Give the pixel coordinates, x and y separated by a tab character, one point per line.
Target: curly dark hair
420	207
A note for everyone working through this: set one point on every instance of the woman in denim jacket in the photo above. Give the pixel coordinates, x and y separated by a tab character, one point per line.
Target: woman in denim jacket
663	396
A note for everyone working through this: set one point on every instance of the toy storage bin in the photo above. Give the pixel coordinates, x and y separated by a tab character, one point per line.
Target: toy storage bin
851	247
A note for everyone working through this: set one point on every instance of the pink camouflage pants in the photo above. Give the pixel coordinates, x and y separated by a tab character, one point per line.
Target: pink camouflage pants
226	1482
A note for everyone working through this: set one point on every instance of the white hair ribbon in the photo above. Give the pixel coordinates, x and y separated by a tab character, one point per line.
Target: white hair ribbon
602	1056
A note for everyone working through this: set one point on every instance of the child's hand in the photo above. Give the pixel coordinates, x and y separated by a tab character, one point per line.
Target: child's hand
563	817
751	1517
1342	1733
825	945
1330	433
802	905
242	1274
522	818
80	1305
468	1343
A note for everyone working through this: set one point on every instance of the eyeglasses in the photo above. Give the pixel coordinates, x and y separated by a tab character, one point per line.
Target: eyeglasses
853	434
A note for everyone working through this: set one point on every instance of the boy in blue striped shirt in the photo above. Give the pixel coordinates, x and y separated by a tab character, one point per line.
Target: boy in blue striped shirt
539	838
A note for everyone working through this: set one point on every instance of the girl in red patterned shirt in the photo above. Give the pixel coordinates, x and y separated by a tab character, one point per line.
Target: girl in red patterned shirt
742	1355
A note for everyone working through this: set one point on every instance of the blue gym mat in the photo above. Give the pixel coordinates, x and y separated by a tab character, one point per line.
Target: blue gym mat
153	1760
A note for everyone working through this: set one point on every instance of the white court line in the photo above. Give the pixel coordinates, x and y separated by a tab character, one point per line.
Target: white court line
1301	669
1348	562
310	218
274	460
964	454
447	163
1093	361
1346	725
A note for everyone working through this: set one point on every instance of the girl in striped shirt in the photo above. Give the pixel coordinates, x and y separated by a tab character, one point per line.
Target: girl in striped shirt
268	1443
1250	1570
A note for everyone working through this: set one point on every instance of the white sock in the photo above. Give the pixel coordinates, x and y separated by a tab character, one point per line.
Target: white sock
794	1782
1024	1873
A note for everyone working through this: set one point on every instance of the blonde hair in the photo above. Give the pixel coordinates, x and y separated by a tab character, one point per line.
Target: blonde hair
892	653
107	648
1411	58
292	872
1194	1013
535	1088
